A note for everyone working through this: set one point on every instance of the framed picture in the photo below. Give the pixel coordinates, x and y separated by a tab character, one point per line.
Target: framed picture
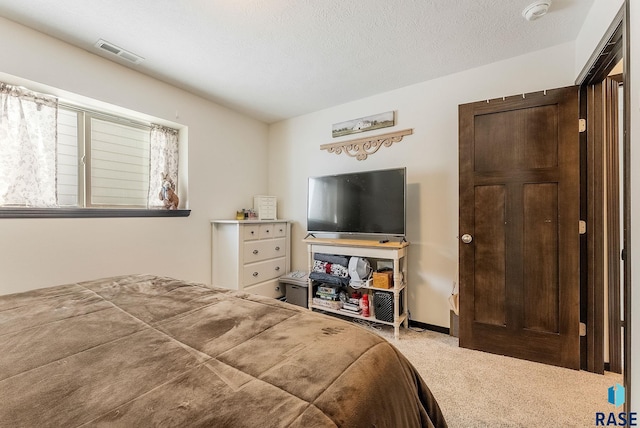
363	124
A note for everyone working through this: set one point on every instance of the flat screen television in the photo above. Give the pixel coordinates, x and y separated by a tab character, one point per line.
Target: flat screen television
369	202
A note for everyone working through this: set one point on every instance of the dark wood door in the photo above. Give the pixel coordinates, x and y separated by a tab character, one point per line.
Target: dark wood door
519	205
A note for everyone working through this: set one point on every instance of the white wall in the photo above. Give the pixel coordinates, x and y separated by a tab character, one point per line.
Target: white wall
430	155
635	203
226	167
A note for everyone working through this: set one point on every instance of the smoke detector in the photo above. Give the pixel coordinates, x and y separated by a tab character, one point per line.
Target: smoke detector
536	10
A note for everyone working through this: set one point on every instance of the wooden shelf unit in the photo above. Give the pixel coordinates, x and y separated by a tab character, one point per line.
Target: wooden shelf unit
393	251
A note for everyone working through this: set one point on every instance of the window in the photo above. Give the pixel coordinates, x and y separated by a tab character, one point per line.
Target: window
102	162
106	163
68	158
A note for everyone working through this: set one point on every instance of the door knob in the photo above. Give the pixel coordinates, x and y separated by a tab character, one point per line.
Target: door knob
466	238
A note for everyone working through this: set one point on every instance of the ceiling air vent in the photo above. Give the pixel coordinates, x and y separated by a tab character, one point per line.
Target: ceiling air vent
114	50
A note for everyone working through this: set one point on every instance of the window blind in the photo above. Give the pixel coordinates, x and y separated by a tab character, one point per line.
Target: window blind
119	164
67	158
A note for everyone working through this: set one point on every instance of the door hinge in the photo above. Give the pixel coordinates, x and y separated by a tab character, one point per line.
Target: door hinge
582	227
583	329
582	125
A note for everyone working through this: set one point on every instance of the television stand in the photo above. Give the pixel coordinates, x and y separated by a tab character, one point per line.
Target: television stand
394	252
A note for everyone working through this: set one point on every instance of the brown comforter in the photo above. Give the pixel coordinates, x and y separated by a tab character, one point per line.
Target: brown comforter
142	350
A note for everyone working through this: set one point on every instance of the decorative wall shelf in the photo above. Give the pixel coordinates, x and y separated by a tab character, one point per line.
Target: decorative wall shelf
361	148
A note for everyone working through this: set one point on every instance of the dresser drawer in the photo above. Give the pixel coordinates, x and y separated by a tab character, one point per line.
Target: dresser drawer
263	271
267	231
254	251
279	230
251	231
271	288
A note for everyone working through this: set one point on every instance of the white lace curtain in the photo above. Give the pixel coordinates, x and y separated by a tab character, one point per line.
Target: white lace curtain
163	159
28	139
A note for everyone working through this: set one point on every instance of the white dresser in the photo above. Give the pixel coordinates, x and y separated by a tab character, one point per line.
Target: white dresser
250	255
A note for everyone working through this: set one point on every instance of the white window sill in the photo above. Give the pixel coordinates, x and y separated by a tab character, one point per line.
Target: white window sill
89	212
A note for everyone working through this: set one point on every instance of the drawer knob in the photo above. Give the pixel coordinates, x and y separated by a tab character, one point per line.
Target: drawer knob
255	251
252	232
277	268
255	274
277	248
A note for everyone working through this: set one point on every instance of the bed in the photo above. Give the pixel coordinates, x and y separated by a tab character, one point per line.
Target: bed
143	350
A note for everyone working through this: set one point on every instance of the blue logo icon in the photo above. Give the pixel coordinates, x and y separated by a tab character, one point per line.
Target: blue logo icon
616	395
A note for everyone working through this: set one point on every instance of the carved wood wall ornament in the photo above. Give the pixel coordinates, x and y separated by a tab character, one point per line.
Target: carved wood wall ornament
361	148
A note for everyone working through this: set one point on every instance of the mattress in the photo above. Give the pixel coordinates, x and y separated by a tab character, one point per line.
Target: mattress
143	350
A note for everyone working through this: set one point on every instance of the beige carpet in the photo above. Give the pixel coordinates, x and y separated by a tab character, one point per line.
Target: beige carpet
478	389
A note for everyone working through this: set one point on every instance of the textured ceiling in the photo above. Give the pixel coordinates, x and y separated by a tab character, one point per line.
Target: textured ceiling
276	59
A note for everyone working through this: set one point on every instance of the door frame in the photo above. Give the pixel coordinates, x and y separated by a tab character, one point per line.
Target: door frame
612	47
626	196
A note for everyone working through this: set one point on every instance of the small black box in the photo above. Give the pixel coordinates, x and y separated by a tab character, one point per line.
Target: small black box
383	305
